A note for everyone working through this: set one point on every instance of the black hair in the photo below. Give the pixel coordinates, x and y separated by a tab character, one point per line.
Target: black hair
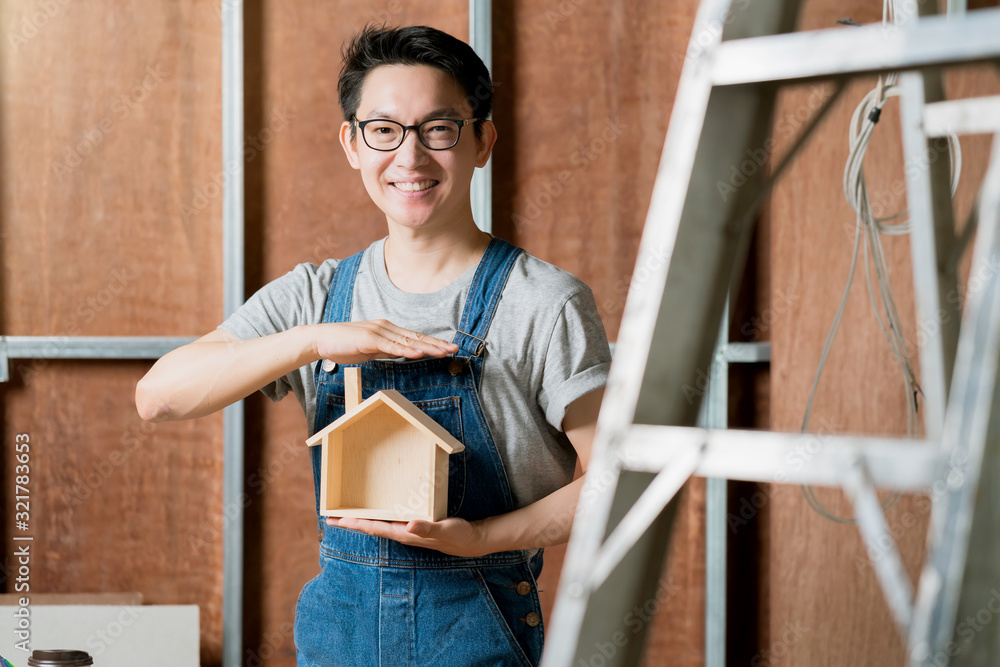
413	45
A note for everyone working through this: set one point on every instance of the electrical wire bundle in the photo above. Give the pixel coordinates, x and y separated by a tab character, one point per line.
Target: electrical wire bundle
870	229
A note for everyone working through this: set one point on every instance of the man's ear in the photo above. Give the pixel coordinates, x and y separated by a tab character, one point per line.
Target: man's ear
350	146
484	144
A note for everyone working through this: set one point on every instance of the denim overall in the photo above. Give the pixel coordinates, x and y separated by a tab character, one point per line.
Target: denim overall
381	603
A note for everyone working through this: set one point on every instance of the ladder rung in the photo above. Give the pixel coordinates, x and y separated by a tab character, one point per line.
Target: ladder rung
787	458
969	116
745	353
933	40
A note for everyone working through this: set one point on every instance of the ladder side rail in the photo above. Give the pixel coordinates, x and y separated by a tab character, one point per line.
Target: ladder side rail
870	517
932	237
658	252
965	434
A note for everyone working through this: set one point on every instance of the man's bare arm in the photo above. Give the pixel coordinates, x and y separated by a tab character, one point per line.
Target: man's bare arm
218	369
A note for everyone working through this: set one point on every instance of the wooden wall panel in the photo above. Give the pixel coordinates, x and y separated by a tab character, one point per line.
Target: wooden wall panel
110	144
117	505
110	224
584	92
825	605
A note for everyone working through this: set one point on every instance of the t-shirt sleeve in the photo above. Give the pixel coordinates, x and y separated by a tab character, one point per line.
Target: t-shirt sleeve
577	359
283	303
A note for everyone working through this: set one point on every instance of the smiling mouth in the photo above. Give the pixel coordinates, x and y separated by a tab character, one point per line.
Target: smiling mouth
414	187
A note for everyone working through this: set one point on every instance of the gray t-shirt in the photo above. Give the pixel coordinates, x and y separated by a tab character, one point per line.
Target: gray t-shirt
545	348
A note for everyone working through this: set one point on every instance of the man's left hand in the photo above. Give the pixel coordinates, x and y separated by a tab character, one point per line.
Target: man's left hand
454	536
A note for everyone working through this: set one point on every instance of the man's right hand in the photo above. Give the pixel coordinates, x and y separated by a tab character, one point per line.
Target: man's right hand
357	342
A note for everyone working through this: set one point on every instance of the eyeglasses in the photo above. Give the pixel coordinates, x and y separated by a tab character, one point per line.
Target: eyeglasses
437	134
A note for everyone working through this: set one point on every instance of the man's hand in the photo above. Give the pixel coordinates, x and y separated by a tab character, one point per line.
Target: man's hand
357	342
454	536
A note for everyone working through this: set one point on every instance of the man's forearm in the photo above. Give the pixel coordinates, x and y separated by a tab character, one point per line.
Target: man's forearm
544	523
206	376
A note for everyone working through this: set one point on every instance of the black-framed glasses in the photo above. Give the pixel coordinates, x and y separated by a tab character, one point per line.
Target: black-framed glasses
437	134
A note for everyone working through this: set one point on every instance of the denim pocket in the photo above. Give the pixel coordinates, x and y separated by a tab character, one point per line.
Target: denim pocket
448	413
508	611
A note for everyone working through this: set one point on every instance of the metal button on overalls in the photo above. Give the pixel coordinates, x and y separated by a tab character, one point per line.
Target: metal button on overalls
523	588
532	619
455	367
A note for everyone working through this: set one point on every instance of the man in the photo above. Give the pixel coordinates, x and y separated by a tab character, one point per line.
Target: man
504	350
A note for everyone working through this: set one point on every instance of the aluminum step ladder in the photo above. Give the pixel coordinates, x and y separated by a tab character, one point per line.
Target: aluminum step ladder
691	255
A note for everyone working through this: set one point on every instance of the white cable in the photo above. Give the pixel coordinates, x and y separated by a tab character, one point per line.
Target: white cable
871	229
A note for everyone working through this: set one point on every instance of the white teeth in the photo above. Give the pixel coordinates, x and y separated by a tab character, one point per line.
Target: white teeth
414	187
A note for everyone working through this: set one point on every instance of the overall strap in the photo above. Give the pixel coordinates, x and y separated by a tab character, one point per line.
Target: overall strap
337	309
341	295
484	295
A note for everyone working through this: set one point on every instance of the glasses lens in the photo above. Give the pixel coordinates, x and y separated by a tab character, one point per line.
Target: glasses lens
439	134
382	134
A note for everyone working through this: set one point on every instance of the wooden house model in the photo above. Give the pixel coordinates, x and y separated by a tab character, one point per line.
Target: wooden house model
383	459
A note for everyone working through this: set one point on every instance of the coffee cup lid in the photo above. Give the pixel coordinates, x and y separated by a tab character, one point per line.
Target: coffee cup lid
59	658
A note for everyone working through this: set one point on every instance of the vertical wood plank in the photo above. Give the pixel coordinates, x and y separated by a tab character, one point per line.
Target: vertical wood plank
352	388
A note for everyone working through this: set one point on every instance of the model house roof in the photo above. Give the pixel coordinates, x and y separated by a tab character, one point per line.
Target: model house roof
401	406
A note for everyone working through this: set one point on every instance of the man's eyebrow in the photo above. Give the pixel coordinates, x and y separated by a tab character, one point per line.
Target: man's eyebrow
440	112
378	113
443	112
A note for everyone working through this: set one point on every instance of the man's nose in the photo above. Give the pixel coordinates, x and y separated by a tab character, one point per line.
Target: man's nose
411	153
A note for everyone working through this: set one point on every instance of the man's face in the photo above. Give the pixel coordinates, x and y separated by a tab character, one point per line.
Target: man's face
414	186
